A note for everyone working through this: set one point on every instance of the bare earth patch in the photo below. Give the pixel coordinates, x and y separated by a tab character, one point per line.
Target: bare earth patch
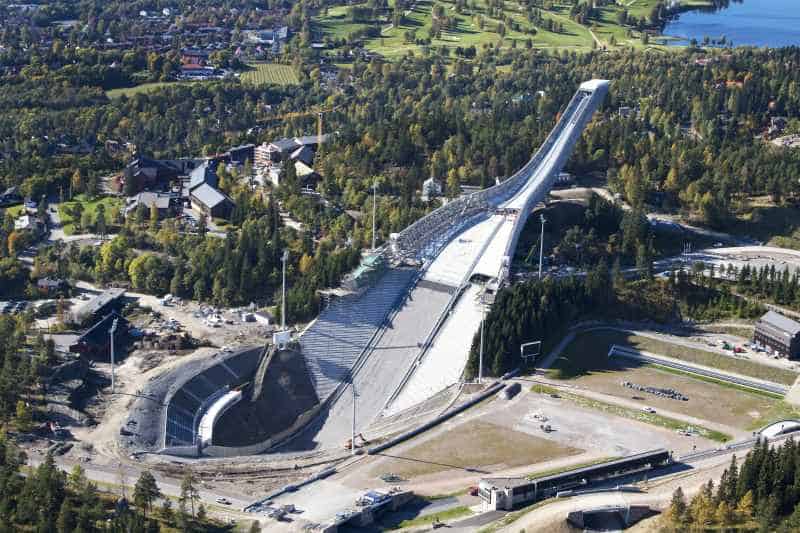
474	446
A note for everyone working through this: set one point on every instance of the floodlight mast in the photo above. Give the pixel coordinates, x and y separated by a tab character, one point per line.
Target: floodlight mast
284	258
541	246
480	354
353	441
374	210
111	334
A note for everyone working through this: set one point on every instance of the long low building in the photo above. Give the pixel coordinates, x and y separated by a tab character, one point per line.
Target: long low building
779	334
508	493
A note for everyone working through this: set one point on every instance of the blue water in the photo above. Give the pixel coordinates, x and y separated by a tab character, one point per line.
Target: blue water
772	23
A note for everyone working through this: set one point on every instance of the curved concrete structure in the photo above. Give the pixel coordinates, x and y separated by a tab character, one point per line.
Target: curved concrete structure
778	429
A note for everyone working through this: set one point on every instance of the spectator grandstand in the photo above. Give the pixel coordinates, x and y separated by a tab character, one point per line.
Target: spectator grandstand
191	398
333	343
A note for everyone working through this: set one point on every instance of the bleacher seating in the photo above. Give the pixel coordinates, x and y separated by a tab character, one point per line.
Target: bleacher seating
189	398
334	342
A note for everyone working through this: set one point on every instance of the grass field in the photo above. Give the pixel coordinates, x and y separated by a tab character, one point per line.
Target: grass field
270	74
588	352
89	206
145	88
585	363
478	444
442	516
477	25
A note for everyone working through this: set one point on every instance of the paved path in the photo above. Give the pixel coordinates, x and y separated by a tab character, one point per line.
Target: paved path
701	370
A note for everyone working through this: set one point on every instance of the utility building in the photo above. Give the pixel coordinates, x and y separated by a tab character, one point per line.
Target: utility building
779	334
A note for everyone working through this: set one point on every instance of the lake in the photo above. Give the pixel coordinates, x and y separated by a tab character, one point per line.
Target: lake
773	23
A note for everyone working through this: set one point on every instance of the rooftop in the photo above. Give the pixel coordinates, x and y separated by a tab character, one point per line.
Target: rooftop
208	195
781	323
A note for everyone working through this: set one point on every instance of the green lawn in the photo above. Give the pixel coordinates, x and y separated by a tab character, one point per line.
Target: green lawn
270	74
588	352
441	516
474	26
144	88
89	206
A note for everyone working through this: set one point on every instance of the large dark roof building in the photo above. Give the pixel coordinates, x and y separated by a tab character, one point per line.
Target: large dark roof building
778	334
96	341
210	201
100	305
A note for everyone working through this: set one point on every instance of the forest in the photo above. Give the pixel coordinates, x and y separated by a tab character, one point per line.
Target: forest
760	494
689	146
47	499
543	311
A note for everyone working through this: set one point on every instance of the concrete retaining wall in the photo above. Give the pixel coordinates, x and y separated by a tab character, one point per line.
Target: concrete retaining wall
438	420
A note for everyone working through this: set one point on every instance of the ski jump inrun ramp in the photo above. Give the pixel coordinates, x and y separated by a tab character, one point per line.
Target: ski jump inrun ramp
408	336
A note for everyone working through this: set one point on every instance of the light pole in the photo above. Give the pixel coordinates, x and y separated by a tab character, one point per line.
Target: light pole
353	441
111	334
480	353
541	246
284	258
374	210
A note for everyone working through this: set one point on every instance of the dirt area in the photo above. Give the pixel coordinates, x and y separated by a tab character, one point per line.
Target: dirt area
112	410
189	317
707	401
476	445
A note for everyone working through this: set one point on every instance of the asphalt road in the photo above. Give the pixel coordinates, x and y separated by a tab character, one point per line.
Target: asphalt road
772	388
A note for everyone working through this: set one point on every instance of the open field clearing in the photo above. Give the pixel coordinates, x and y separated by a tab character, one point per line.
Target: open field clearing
474	446
145	88
588	352
479	24
708	401
270	74
89	206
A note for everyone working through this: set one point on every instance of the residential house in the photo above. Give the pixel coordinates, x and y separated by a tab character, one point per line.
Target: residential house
31	206
165	203
11	196
146	173
195	56
52	286
31	224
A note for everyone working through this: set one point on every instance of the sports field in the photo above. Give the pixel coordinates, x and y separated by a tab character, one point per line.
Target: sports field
269	74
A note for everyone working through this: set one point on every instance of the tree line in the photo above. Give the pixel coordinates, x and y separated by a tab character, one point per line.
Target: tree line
760	494
48	499
544	310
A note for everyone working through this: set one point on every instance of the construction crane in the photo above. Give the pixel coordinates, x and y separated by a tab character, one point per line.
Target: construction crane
319	112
